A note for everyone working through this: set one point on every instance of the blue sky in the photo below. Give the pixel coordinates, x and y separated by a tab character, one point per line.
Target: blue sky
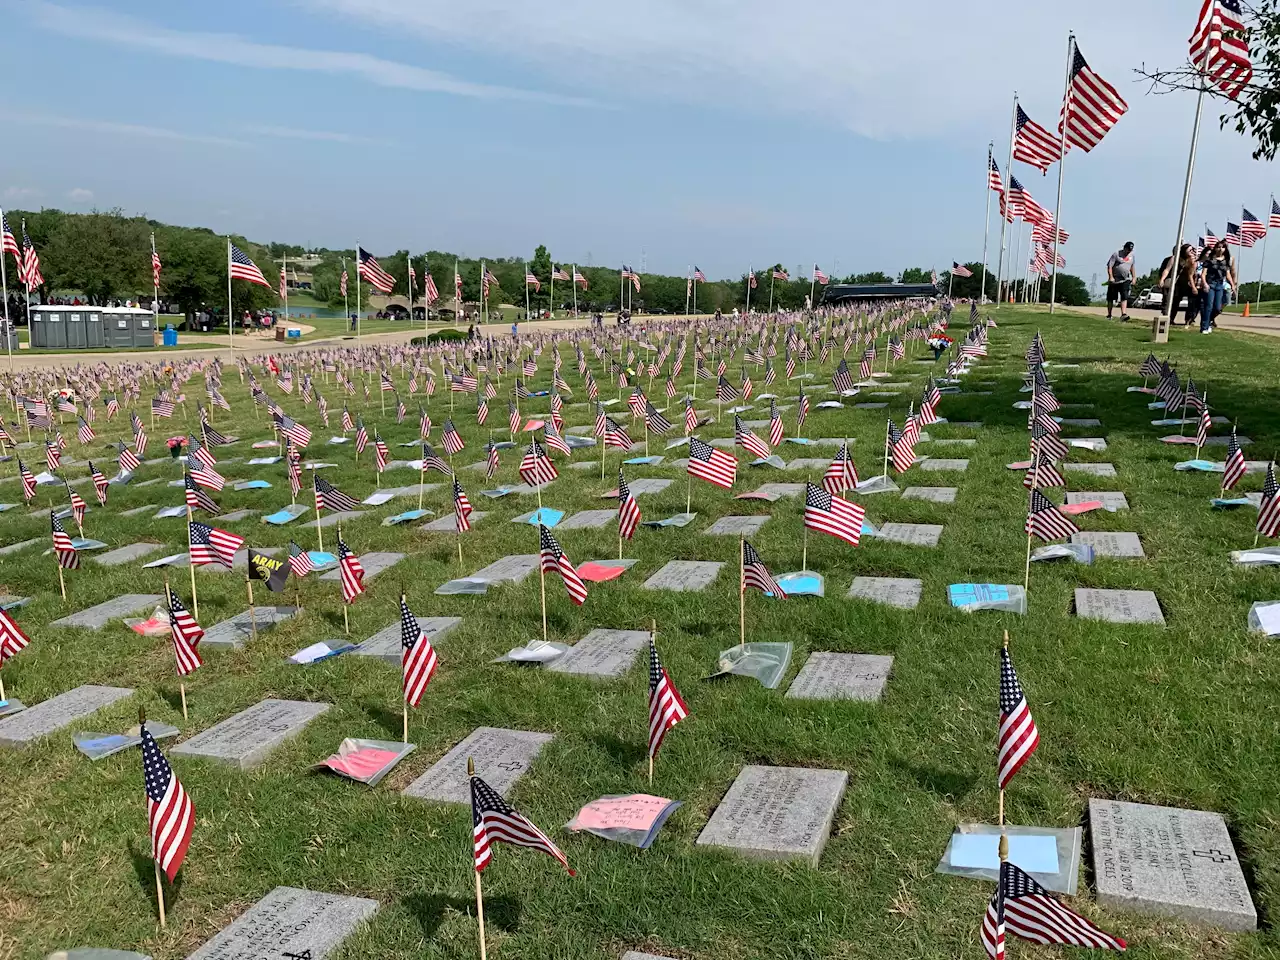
667	132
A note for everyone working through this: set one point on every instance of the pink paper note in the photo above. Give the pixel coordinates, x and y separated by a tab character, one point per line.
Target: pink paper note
1020	465
1074	509
534	425
360	764
599	572
636	812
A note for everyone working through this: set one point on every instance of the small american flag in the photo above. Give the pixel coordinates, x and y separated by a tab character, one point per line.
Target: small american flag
381	454
160	407
128	460
494	821
554	561
901	449
1022	907
1018	737
350	572
841	475
756	575
12	639
655	421
196	498
68	557
628	509
1091	107
240	267
100	484
491	461
1046	521
666	708
708	463
451	439
84	432
1043	473
186	634
362	435
775	423
746	438
826	513
802	408
555	441
1269	509
461	508
211	545
1233	468
536	467
842	379
299	561
1204	426
417	659
170	813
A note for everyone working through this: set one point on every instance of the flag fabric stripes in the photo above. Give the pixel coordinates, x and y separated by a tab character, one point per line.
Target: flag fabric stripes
369	269
628	509
841	475
461	508
1018	736
1269	509
170	812
12	640
1022	907
240	267
755	575
68	556
299	561
1220	47
329	497
418	659
1091	107
1046	521
350	572
186	634
1034	144
211	545
494	821
708	463
554	561
666	707
1233	468
826	513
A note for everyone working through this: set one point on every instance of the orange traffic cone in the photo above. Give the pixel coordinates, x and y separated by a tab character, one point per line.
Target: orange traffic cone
1246	308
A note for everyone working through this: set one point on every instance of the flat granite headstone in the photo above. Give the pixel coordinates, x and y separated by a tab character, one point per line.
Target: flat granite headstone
1168	861
936	464
1118	606
782	489
932	494
901	592
809	463
236	515
1111	544
245	739
1111	499
449	524
736	526
633	955
777	813
19	729
841	676
602	653
21	545
684	575
1081	422
147	508
97	617
501	757
588	520
341	516
966	442
1093	469
512	569
289	922
385	644
121	555
373	563
912	534
648	485
234	633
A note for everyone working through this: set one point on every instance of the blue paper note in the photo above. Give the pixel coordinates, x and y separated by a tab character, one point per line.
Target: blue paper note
539	393
286	515
1035	854
799	440
1199	466
964	594
1220	504
803	584
545	516
253	485
320	559
405	517
642	461
6	506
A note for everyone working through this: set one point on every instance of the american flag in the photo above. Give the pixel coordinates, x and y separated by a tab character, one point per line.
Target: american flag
186	634
960	270
1046	443
329	497
451	439
84	432
690	417
554	441
205	476
536	467
381	455
826	513
78	506
8	244
429	285
211	545
901	449
802	409
841	475
579	278
779	274
240	267
432	461
1022	907
842	379
994	181
1233	468
513	419
1251	228
196	498
655	421
372	271
384	382
350	572
1220	46
170	813
1204	426
554	561
775	422
293	464
362	435
491	461
494	821
417	659
68	557
708	463
628	509
1232	236
128	460
1091	107
726	392
52	455
615	435
160	407
1273	221
12	639
559	273
1269	509
818	275
666	708
100	484
29	266
755	575
531	281
113	406
342	281
1042	473
299	561
1018	734
1034	144
1027	206
1046	521
461	508
746	438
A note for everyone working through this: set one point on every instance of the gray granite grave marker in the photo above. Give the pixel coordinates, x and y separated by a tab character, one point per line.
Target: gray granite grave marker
245	739
1118	606
501	757
122	555
53	714
901	592
21	545
1107	544
588	520
967	442
97	617
648	485
449	523
684	575
937	464
1081	422
512	569
1093	469
146	508
932	494
777	813
736	526
1168	861
341	516
234	633
602	653
782	489
841	676
809	463
385	644
373	563
289	922
1111	499
912	534
236	515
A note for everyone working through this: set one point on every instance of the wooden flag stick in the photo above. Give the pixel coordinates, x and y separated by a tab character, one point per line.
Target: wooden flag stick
253	618
542	589
62	584
742	590
653	638
160	894
182	689
688	490
886	449
471	772
422	476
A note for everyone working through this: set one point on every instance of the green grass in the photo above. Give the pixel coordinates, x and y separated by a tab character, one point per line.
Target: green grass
1184	715
1266	306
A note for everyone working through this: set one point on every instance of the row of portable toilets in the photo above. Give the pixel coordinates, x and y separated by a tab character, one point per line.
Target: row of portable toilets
88	328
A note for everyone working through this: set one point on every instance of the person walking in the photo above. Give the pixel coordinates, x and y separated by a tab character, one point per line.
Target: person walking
1182	282
1120	281
1219	277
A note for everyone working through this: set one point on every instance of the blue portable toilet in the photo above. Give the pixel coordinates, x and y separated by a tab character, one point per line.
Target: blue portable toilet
170	336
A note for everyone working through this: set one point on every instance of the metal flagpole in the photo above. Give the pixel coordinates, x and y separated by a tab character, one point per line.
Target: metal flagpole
986	224
284	285
358	290
771	273
1008	176
1239	256
1257	297
346	307
813	278
1062	156
484	292
526	288
4	292
751	275
231	320
950	281
1014	255
155	288
551	294
408	259
573	281
457	305
622	279
1161	332
688	285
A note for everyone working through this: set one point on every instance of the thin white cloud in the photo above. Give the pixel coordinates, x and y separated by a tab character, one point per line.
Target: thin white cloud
86	125
323	136
19	194
80	194
104	26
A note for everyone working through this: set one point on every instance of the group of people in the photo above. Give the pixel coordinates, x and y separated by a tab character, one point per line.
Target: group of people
1204	278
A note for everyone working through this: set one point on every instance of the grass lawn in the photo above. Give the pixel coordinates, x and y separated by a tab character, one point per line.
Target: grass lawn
1184	715
1266	306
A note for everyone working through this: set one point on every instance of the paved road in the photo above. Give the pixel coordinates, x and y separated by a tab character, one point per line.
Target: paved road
1267	326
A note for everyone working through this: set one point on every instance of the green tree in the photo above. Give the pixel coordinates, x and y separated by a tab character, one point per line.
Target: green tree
917	275
967	288
875	276
1071	291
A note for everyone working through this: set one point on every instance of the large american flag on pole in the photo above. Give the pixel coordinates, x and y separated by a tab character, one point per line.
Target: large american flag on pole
170	813
372	271
1220	46
240	267
1034	144
1091	107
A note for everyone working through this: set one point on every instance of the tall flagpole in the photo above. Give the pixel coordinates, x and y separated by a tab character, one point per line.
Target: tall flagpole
573	281
358	311
484	292
408	259
284	286
1015	254
155	288
457	296
751	275
1008	202
231	320
986	224
688	285
1062	156
1161	332
1257	296
525	263
551	294
346	306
